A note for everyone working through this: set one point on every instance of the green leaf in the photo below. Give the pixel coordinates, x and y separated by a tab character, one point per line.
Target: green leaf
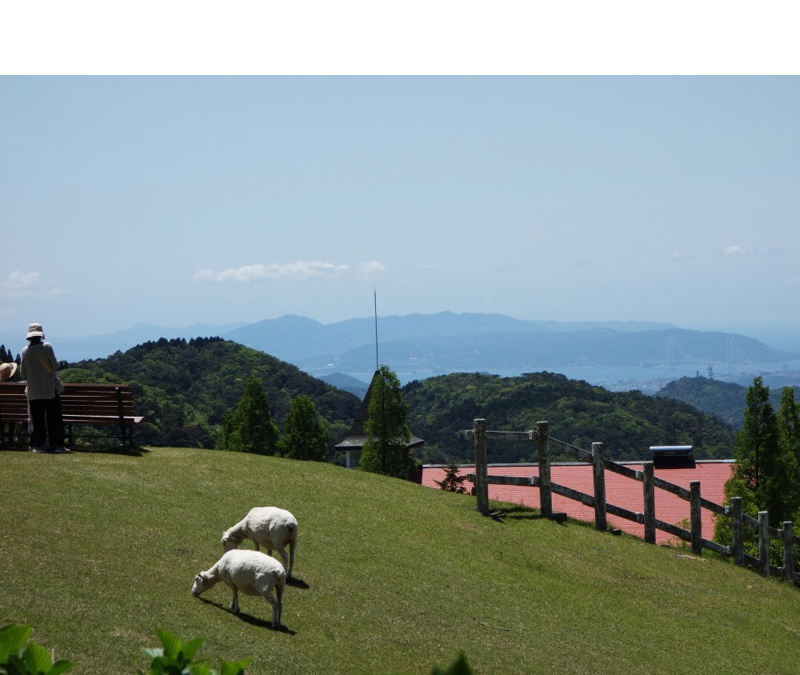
16	666
172	643
191	647
61	666
233	667
37	658
12	639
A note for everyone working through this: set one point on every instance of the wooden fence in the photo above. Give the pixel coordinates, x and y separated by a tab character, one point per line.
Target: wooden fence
541	437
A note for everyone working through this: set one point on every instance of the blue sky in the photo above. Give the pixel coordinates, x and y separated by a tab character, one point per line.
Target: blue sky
178	200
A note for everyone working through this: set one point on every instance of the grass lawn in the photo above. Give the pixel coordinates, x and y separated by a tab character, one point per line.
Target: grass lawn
99	549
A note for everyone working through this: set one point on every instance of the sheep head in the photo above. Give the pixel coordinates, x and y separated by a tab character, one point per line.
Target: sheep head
201	584
230	541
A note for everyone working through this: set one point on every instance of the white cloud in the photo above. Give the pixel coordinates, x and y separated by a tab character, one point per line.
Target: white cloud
371	270
28	284
681	255
425	266
734	250
302	269
20	281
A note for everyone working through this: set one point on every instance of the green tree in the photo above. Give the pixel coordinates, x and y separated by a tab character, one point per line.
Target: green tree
249	428
304	434
789	444
765	475
452	482
386	448
757	452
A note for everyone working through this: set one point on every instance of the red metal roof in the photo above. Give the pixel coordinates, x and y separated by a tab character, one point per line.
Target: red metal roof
620	491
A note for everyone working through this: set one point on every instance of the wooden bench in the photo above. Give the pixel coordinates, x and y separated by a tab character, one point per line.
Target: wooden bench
92	404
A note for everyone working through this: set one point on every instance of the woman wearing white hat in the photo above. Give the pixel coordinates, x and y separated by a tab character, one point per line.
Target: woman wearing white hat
38	368
7	371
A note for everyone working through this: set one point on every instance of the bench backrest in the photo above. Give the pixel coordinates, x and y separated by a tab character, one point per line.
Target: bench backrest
78	400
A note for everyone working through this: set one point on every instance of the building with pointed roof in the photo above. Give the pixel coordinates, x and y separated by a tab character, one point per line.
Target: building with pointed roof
354	443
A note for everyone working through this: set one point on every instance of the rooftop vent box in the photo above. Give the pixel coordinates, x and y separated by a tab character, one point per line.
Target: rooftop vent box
672	456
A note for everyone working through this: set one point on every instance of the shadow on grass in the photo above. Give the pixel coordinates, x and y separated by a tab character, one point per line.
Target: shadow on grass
297	583
116	450
247	618
125	452
500	514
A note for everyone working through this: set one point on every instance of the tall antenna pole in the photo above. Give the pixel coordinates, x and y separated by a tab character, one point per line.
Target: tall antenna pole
382	391
375	298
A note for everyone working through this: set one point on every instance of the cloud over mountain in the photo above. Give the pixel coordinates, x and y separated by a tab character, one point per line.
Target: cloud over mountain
301	269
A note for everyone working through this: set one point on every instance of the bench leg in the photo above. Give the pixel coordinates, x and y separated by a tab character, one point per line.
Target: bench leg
126	435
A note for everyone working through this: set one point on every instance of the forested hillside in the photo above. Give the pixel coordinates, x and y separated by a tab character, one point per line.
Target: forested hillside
725	400
627	422
183	388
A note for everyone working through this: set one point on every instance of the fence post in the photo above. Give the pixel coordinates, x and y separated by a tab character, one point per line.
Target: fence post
737	543
763	542
696	512
788	551
545	495
481	470
599	487
649	487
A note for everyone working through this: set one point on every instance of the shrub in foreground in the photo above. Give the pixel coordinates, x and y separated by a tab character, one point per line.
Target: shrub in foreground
174	657
18	659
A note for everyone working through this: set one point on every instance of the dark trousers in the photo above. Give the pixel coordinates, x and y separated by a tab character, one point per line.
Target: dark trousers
46	422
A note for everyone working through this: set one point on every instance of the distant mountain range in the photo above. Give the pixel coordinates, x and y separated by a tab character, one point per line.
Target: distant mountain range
421	345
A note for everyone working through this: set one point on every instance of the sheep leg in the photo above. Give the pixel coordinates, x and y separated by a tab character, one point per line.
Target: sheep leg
235	602
279	591
276	606
286	565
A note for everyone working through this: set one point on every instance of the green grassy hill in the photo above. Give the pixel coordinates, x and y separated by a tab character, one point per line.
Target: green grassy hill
99	549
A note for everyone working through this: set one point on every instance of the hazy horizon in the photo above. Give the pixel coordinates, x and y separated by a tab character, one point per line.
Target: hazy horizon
174	201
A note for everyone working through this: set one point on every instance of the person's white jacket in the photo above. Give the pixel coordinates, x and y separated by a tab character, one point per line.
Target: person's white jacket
38	368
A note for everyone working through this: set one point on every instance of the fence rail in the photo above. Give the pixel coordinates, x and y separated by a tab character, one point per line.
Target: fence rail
541	436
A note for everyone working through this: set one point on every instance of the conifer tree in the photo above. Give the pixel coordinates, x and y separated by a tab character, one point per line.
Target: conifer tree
756	446
452	482
304	434
249	428
386	448
789	444
767	465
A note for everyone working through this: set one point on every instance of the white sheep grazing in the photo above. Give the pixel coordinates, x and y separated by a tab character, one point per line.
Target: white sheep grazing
269	526
252	573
